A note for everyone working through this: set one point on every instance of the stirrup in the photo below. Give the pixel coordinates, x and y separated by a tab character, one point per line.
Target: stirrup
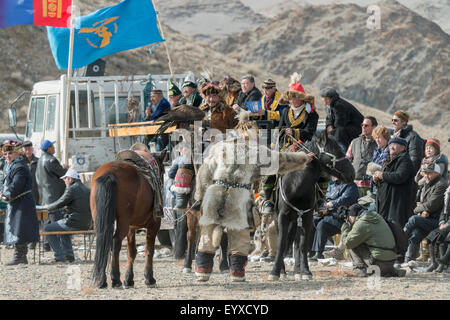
267	207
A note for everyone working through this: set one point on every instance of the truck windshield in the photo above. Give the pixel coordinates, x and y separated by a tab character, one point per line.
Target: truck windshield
35	121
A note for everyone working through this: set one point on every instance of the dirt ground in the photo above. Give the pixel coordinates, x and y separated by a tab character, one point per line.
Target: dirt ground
49	281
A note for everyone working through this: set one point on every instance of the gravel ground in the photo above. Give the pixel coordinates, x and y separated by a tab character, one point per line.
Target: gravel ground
71	281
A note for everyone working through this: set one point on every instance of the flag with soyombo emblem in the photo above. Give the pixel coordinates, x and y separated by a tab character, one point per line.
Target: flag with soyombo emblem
54	13
127	25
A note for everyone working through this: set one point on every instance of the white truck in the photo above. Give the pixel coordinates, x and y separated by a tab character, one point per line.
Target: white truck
95	104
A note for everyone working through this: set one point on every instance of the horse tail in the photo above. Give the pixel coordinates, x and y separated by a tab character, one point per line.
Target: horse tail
105	197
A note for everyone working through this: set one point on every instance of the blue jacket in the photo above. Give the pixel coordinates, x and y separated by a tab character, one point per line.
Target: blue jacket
342	194
161	107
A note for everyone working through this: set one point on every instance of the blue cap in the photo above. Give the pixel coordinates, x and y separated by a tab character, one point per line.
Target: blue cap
46	144
399	140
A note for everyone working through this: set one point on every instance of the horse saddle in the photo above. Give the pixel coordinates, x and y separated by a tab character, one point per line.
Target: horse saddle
133	157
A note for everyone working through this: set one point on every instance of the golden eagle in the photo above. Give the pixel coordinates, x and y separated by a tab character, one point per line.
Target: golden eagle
184	114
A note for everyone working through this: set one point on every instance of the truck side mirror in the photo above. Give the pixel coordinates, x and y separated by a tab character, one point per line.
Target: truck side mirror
12	117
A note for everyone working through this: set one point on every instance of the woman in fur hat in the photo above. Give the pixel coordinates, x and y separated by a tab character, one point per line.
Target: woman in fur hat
21	224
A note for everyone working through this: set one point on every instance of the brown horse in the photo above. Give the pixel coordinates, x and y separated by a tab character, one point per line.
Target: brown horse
121	194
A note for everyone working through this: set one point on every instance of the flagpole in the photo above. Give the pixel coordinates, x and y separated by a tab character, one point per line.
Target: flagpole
69	85
165	42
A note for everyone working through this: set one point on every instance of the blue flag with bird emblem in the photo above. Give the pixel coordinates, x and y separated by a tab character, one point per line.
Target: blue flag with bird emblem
127	25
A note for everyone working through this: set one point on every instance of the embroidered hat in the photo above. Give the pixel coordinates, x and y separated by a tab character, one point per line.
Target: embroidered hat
174	90
190	84
269	84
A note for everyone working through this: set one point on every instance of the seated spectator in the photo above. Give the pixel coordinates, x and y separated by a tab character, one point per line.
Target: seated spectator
158	106
360	153
365	234
76	199
433	155
426	218
191	96
328	224
174	95
440	237
249	93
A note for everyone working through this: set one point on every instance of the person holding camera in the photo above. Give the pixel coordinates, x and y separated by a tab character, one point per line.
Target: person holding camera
339	196
370	243
76	199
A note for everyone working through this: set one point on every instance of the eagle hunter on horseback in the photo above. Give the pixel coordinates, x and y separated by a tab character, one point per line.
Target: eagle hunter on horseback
125	197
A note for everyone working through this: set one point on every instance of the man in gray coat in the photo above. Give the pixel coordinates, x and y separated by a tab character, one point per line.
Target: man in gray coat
48	174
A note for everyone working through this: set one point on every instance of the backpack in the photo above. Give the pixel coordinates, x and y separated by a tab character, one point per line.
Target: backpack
401	241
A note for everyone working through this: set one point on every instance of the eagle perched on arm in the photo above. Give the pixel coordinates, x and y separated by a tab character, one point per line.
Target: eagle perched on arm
185	114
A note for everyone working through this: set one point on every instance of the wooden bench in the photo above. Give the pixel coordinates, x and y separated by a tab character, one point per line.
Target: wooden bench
89	234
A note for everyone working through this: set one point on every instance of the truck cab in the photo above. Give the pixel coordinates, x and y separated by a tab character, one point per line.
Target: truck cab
95	103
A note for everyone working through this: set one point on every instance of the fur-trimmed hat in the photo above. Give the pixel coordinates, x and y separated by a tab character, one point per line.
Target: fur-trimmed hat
231	84
296	90
11	145
211	88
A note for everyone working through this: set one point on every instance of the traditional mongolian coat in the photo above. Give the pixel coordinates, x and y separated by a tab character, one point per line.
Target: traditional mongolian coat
221	116
304	125
224	180
21	224
273	108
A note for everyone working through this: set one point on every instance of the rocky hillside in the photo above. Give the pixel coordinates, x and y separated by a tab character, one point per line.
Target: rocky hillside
437	11
205	19
405	65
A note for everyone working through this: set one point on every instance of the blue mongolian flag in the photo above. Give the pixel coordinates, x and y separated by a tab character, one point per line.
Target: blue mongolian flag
127	25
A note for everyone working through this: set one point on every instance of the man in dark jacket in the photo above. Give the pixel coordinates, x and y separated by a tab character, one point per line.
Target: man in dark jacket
48	174
76	199
21	224
416	145
249	93
395	183
343	119
430	203
338	195
32	161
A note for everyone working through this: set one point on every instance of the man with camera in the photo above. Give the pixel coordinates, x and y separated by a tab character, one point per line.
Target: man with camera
370	243
328	223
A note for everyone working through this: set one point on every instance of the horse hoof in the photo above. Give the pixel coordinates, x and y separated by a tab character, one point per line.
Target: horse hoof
103	285
272	277
117	285
151	285
128	285
224	271
187	270
283	276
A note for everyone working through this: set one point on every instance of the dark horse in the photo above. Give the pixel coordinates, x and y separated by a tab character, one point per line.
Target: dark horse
121	194
296	199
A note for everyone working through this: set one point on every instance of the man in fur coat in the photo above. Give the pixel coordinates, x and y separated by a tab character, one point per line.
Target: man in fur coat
224	186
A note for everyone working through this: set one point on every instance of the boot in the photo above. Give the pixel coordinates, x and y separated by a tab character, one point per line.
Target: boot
442	252
204	265
20	255
181	200
179	250
268	205
434	263
413	252
237	267
445	257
